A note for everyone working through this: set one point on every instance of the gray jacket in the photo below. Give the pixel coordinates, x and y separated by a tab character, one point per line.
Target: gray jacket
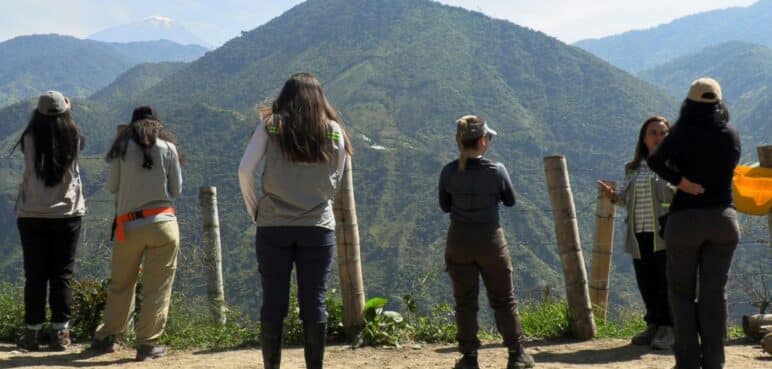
138	188
36	200
661	196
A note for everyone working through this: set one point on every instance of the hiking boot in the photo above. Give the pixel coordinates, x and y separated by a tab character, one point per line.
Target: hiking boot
104	346
468	361
664	339
644	338
29	340
145	351
60	340
314	336
519	359
270	344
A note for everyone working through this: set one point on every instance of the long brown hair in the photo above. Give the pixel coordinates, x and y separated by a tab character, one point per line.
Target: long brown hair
144	129
300	118
57	142
641	151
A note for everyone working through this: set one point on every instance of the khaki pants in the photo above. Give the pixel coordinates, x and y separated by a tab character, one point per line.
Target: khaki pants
158	244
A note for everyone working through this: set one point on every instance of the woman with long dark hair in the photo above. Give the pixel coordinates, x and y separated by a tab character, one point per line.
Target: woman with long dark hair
144	173
49	208
304	146
647	197
699	156
471	189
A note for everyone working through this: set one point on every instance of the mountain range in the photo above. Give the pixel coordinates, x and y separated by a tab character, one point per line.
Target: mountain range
400	72
31	64
638	50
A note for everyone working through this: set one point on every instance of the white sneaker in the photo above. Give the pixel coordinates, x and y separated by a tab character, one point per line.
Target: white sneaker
664	338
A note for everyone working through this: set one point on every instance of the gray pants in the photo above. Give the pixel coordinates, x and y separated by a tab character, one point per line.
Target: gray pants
700	244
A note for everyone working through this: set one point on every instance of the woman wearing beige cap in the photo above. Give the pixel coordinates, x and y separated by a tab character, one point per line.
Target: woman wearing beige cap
49	210
699	157
471	189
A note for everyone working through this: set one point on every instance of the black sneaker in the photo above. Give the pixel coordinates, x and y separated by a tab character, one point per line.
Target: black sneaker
60	340
468	361
644	338
103	346
29	341
519	359
145	352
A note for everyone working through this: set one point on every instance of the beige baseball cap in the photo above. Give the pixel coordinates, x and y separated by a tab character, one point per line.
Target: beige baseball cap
705	90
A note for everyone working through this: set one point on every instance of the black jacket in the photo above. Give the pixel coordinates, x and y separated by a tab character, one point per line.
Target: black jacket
705	149
473	195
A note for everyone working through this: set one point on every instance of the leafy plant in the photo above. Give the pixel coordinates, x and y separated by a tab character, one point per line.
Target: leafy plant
383	327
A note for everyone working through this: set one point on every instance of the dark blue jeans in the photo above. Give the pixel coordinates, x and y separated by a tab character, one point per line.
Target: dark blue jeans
310	250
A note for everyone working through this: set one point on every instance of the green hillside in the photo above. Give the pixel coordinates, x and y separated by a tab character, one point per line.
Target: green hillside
745	73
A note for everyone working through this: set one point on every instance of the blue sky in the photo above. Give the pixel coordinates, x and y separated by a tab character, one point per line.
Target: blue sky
216	21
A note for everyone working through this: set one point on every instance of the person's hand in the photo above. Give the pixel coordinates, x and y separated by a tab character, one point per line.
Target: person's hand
607	190
690	187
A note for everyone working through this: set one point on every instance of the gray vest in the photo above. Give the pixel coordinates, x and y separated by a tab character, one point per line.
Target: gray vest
298	194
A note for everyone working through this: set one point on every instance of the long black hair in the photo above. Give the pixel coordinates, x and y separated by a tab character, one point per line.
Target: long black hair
641	151
57	143
696	113
144	129
300	117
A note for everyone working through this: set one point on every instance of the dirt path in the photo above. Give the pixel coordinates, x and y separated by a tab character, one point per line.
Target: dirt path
605	354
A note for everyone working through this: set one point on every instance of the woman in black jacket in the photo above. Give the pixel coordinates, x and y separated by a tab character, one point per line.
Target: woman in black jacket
699	156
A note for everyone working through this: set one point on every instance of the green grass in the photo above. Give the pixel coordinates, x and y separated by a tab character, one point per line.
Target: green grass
190	326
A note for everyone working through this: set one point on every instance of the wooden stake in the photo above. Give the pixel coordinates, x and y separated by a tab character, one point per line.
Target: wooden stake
570	248
603	243
207	197
349	261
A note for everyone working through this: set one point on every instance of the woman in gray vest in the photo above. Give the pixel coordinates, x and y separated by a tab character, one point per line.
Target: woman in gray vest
49	210
304	149
144	174
646	198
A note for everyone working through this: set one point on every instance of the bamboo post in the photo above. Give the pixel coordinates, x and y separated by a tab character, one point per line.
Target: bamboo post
349	262
765	160
603	243
207	197
570	248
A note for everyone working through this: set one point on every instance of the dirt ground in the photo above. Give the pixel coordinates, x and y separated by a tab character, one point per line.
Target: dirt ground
604	354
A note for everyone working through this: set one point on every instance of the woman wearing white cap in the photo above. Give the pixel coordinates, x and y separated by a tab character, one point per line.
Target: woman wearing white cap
699	156
49	210
471	189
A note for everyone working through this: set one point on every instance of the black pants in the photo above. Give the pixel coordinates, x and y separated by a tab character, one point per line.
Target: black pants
651	275
49	258
310	250
700	246
475	250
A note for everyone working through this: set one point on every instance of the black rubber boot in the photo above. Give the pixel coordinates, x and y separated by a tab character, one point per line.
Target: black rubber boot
314	337
467	361
270	342
519	359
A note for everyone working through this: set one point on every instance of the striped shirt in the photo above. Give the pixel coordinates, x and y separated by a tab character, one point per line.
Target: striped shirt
644	213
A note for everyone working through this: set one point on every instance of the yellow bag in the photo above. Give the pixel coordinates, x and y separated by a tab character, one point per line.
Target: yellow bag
752	190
